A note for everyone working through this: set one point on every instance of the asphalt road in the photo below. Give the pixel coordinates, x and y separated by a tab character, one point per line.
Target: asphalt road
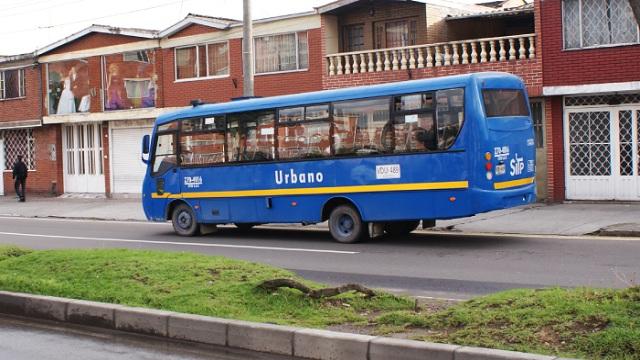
22	339
446	266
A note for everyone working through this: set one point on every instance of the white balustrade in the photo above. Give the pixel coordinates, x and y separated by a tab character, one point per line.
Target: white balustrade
464	52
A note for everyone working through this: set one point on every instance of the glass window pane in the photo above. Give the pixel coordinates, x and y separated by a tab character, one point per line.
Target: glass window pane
317	112
165	154
413	102
202	149
202	61
504	102
571	23
415	132
186	63
203	124
304	141
12	84
218	59
275	53
290	114
251	136
450	116
362	127
168	126
303	51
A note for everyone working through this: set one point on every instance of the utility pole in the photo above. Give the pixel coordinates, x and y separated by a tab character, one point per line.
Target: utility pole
247	49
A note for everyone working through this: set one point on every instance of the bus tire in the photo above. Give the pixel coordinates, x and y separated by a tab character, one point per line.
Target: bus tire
244	226
345	224
184	221
400	228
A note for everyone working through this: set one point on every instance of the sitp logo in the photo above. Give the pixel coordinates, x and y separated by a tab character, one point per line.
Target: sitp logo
517	165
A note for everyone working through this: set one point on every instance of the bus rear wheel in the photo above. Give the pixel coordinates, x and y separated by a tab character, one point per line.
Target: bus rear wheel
345	224
184	221
400	228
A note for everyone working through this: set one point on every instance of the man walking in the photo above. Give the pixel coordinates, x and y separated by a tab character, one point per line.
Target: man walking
20	176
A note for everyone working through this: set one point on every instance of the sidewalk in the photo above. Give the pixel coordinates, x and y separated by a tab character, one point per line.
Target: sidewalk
569	219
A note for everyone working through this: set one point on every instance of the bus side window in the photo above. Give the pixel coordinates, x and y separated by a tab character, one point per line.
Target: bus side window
414	123
202	141
251	136
449	116
303	132
362	127
165	153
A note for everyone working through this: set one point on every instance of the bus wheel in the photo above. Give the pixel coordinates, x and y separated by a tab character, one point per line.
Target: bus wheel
400	228
345	224
244	226
184	221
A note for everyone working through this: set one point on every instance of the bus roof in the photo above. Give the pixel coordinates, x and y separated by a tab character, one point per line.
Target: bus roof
317	97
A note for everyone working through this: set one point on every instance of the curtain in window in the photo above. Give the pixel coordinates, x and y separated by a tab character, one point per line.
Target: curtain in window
624	29
186	63
303	51
218	59
275	53
598	22
571	24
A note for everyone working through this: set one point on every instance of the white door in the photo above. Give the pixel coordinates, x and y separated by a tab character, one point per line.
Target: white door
127	168
82	160
601	153
2	166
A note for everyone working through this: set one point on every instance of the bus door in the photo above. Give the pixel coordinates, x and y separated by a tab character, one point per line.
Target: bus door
165	174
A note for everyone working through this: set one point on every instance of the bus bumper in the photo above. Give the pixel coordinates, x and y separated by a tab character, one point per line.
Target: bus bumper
488	200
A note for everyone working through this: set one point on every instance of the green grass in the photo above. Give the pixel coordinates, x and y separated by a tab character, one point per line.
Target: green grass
585	323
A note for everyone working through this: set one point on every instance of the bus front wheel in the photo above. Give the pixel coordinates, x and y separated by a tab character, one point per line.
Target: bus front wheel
400	228
345	224
184	221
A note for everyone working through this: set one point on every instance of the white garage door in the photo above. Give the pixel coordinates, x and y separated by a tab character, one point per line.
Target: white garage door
127	169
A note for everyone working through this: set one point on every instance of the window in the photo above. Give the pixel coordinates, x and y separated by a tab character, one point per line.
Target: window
304	132
202	61
414	123
202	141
396	33
449	116
251	136
504	102
589	23
537	115
165	153
12	84
19	142
362	127
354	37
286	52
141	56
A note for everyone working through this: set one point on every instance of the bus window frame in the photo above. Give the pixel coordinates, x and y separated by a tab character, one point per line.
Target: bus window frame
157	135
304	121
275	140
464	115
180	131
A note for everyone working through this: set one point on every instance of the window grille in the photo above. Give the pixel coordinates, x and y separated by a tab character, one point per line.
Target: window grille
602	99
19	142
591	23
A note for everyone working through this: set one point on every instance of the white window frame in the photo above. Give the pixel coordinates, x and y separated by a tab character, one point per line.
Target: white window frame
197	46
297	69
581	47
21	84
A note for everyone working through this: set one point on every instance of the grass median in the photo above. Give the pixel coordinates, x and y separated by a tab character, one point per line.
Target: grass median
589	323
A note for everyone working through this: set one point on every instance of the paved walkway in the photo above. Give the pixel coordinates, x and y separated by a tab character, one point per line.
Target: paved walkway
558	219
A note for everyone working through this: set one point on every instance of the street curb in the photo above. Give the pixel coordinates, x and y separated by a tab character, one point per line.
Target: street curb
275	339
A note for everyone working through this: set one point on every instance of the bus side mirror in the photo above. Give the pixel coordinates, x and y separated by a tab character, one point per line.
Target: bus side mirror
145	148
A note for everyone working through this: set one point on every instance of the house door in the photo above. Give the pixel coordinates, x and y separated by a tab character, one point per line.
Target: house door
602	153
83	165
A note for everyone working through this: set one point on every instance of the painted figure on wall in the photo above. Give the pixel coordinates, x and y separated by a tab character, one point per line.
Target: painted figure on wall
67	102
69	88
131	80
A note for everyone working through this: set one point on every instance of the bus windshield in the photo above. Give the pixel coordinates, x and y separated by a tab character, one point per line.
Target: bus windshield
504	102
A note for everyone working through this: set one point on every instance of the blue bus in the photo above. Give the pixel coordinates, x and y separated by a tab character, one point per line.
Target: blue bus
371	160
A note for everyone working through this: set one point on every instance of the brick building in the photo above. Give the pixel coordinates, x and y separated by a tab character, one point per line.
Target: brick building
591	72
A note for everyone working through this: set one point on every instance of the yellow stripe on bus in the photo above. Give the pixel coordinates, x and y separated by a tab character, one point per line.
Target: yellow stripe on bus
512	183
319	190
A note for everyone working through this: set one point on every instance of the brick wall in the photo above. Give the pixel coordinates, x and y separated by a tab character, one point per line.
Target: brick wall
94	40
529	70
28	107
223	89
193	29
577	67
555	149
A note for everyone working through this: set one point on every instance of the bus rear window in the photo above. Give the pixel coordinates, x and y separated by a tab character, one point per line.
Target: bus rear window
504	102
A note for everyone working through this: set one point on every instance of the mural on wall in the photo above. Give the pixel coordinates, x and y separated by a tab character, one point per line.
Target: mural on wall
69	89
130	80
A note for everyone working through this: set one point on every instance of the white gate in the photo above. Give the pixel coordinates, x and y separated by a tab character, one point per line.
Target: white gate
602	153
82	159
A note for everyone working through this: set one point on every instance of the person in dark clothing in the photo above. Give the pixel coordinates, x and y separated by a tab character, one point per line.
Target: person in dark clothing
20	176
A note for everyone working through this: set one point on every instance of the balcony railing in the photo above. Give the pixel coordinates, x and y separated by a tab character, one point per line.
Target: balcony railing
499	49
